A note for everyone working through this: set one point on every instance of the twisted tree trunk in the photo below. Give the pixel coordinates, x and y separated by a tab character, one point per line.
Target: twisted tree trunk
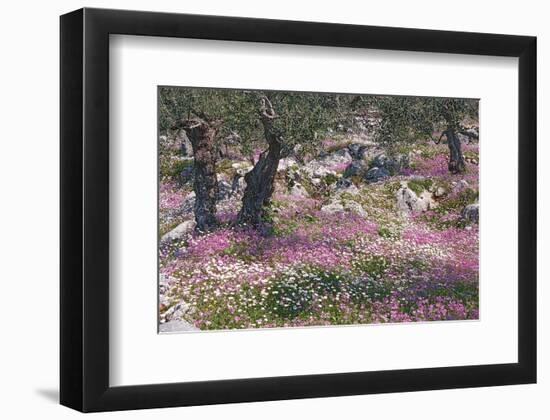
456	159
201	134
260	180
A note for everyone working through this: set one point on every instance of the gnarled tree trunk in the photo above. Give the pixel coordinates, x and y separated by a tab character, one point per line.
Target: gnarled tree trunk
260	180
456	159
201	134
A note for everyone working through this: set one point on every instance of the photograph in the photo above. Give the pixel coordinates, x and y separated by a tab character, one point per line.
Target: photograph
267	210
295	209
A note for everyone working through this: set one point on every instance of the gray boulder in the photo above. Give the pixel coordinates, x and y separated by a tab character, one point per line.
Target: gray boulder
238	184
440	192
179	232
176	326
470	214
357	151
185	144
320	168
338	206
343	183
470	134
334	207
376	174
225	190
380	161
355	207
355	168
176	312
408	201
391	164
339	156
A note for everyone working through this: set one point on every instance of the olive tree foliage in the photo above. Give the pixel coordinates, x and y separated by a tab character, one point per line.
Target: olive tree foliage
233	108
405	119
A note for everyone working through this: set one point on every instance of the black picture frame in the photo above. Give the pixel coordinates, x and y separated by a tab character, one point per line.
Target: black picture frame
84	296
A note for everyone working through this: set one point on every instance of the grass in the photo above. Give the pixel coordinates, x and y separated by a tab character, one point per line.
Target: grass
172	168
419	185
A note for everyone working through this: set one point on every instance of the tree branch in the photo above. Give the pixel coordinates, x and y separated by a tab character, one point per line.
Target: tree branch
439	139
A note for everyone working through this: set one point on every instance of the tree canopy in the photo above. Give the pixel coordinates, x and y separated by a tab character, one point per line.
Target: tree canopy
302	118
405	118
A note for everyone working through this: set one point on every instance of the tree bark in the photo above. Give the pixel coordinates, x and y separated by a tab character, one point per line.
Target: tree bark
260	180
202	134
456	159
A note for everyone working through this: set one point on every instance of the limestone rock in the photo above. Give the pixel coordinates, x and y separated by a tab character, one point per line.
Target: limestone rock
334	207
408	201
344	185
440	192
176	312
338	206
179	232
176	326
355	207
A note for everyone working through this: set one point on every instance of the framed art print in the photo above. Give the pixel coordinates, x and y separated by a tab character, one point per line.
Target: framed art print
257	209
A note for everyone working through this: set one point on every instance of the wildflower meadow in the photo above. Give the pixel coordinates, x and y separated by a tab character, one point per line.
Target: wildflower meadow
354	228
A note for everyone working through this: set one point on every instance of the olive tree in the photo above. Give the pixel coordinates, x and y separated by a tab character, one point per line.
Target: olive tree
201	113
287	119
274	121
407	118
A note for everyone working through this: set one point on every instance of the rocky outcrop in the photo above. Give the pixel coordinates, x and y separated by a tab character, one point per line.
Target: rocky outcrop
355	168
173	319
176	327
333	207
344	185
376	174
176	312
358	151
379	168
354	207
341	206
393	165
320	168
409	202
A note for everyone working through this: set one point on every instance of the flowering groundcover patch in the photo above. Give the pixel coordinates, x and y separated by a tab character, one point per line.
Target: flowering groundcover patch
335	246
